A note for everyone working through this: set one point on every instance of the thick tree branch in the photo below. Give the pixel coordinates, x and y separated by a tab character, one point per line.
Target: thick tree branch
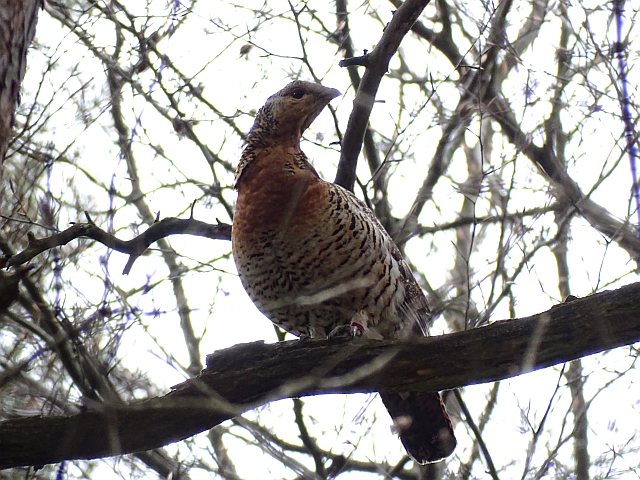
246	376
17	28
134	247
377	64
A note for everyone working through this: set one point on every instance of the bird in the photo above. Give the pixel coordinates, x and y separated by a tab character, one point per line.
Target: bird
316	261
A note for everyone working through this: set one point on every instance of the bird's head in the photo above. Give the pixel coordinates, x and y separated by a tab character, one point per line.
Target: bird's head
289	112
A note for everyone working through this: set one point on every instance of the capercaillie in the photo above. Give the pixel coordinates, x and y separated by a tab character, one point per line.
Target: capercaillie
315	259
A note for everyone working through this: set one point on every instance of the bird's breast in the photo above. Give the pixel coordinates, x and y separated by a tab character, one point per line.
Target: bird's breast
278	199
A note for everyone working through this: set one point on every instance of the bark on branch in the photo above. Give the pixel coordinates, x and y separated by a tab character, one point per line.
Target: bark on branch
17	28
246	376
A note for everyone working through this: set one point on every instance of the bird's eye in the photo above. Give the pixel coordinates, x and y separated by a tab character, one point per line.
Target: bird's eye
297	94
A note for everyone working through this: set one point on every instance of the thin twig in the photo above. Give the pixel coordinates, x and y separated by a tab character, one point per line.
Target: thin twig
629	133
477	434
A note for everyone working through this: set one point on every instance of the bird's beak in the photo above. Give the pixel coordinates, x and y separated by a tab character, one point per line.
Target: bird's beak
323	98
331	93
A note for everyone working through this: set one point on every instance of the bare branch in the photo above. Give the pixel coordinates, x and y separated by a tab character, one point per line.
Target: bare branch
360	61
565	188
134	247
379	175
441	40
478	435
377	63
246	376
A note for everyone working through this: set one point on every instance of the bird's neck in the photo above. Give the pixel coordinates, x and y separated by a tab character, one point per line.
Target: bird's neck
263	138
260	146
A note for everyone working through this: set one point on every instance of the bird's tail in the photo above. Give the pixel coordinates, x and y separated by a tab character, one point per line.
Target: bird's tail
423	424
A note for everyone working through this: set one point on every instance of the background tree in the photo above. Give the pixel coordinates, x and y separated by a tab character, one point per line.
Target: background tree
495	154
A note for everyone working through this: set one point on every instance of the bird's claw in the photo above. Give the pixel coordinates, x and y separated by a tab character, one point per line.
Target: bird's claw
356	329
341	331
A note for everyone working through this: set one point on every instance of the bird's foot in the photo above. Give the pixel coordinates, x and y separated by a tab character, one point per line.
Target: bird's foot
356	329
359	323
341	331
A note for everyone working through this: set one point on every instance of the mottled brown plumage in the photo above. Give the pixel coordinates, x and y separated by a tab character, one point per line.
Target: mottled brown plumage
315	260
